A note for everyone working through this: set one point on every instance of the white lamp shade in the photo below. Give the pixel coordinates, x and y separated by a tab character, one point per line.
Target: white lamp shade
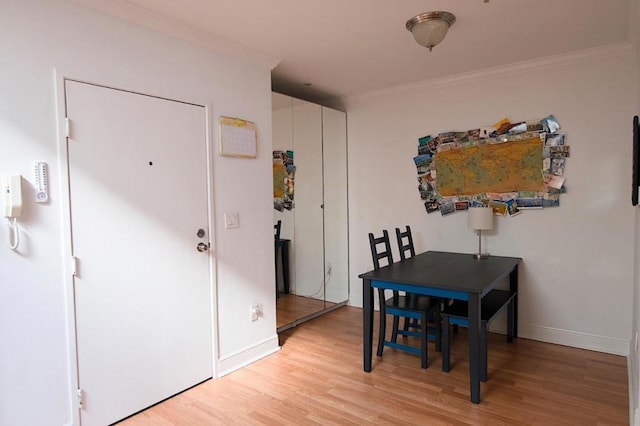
480	218
430	33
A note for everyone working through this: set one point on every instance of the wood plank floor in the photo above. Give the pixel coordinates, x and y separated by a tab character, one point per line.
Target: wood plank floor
317	378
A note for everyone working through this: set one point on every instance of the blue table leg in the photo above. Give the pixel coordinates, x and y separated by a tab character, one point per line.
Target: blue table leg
474	347
367	322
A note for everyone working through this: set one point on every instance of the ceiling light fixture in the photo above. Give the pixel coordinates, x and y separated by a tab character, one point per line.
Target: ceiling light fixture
429	28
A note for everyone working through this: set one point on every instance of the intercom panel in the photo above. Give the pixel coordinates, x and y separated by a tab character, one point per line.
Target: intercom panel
12	195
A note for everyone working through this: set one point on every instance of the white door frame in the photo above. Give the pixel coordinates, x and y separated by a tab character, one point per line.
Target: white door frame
67	262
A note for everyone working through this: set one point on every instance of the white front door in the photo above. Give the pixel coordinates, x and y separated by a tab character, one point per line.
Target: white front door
138	197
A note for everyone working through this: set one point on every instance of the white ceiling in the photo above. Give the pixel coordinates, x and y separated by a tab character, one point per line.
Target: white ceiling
344	47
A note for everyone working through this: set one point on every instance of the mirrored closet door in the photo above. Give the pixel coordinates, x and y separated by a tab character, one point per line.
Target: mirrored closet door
310	202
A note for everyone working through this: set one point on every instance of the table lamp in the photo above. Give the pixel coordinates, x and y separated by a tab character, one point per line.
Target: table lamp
480	219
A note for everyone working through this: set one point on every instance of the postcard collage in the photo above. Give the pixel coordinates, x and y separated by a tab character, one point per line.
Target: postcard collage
554	149
283	180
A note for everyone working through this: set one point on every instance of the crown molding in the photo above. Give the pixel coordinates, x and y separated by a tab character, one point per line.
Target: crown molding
608	51
166	25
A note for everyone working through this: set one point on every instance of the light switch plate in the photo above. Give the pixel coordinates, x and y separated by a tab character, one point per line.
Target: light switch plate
231	220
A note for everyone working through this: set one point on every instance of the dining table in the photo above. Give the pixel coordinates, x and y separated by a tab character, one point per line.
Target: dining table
458	276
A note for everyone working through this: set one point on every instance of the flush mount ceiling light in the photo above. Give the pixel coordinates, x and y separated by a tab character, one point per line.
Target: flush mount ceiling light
429	28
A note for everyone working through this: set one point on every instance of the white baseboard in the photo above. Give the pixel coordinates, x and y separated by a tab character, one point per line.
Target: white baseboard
574	339
558	336
247	355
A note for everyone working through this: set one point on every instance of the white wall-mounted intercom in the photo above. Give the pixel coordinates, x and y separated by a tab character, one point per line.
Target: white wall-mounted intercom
12	195
11	186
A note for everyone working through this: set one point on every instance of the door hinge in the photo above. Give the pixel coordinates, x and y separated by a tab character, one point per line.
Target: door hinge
79	398
74	266
67	126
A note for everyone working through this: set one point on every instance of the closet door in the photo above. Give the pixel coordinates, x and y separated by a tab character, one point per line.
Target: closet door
336	235
309	223
282	126
318	225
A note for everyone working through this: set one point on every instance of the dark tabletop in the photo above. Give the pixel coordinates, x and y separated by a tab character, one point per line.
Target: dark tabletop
451	271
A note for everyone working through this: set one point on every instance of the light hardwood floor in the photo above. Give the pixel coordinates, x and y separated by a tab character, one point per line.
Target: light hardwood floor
317	378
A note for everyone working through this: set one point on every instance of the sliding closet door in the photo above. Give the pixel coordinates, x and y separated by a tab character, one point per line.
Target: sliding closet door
309	237
336	236
317	226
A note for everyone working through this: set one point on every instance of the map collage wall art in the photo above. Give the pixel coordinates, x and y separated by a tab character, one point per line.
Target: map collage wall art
508	167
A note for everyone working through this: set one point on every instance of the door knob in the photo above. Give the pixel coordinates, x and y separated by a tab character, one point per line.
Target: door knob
202	247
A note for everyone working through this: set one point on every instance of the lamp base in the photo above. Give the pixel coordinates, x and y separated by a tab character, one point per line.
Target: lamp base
480	255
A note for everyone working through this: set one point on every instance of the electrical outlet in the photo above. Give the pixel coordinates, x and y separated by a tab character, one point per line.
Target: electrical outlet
255	312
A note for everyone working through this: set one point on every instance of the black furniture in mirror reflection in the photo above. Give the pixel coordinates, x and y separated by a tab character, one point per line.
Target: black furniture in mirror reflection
276	238
281	247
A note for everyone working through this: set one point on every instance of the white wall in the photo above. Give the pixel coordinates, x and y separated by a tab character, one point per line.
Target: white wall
576	282
38	36
633	361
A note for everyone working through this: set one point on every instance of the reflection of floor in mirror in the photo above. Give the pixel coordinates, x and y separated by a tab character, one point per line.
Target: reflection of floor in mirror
290	307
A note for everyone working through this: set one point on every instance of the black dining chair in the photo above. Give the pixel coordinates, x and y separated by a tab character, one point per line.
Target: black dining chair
407	246
276	238
457	313
407	250
401	306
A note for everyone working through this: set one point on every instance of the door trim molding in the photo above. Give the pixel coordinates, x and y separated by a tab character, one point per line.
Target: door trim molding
61	113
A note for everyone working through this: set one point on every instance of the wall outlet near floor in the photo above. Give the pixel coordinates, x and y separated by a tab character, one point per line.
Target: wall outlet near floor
256	312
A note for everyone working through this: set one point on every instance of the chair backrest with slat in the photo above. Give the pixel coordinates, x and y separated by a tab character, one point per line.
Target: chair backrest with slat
380	249
405	247
276	230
